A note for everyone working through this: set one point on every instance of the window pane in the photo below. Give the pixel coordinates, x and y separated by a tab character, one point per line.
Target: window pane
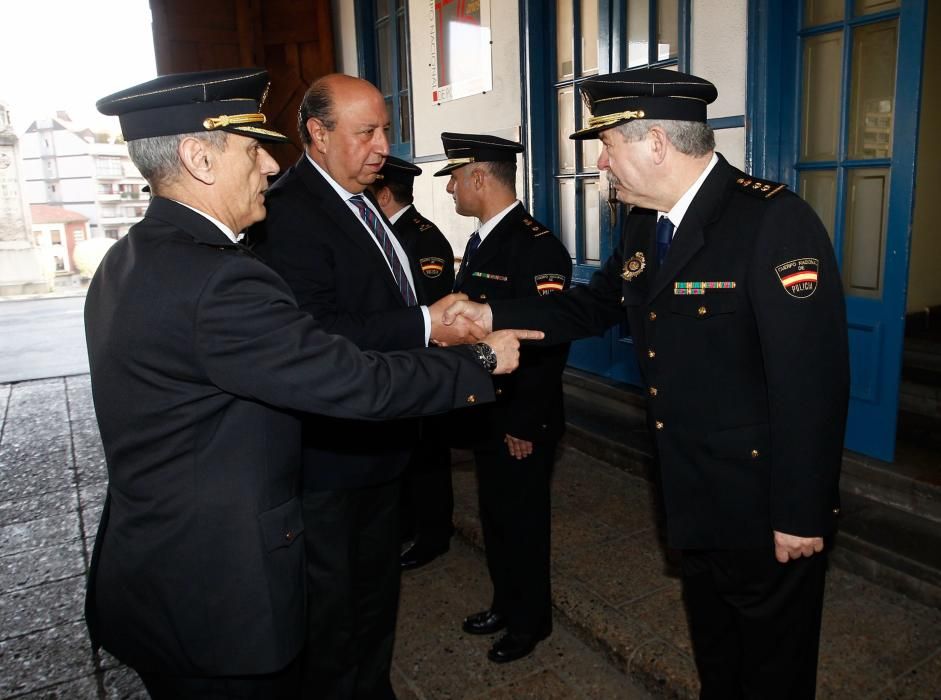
383	54
382	9
566	127
564	32
822	11
867	7
864	242
400	35
589	37
591	148
638	33
872	104
820	113
818	189
667	29
590	224
567	214
405	115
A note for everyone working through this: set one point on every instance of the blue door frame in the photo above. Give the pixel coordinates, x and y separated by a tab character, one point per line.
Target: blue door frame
876	326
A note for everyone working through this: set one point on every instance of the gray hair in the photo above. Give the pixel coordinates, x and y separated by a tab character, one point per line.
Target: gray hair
157	157
317	103
694	139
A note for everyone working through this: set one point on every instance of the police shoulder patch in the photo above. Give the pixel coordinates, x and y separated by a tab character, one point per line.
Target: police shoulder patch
549	282
799	277
431	267
765	189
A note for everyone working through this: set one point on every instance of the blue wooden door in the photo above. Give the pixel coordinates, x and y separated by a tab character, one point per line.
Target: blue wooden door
841	130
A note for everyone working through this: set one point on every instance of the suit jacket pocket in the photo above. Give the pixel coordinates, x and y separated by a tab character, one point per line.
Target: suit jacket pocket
282	525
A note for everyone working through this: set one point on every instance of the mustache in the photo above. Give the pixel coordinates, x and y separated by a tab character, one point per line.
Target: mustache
612	179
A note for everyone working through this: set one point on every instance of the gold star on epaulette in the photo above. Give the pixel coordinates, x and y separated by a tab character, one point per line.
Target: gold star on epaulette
534	226
760	188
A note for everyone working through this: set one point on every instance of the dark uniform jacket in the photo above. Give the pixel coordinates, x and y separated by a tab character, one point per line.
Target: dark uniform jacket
747	384
519	258
429	251
195	347
340	276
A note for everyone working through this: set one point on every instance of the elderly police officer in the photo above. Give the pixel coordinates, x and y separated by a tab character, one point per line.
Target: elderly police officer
510	256
734	300
199	359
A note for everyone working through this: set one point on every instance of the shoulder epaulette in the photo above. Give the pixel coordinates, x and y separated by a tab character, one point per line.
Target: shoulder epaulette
760	188
535	227
422	223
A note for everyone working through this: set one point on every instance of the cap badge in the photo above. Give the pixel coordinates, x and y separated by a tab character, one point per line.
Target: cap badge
634	266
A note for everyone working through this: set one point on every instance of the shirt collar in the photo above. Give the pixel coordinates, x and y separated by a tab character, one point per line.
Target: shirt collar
678	211
221	226
399	214
340	190
492	222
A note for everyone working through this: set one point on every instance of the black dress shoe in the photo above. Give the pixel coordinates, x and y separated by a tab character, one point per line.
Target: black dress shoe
485	622
420	554
512	646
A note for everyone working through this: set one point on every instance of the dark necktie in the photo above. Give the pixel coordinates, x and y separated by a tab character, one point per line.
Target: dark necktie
664	238
472	244
385	242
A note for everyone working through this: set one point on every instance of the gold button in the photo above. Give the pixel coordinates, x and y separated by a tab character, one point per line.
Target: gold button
659	425
701	311
754	454
288	535
498	392
652	315
483	296
651	354
622	300
652	390
836	511
471	399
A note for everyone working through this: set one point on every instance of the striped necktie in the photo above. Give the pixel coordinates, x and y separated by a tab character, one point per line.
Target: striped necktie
385	242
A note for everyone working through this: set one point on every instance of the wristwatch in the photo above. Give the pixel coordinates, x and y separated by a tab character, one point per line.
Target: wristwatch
485	356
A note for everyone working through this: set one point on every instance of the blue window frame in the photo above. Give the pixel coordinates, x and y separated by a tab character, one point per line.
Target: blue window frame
382	26
564	43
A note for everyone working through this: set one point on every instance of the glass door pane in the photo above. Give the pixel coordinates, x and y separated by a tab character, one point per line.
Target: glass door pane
590	222
638	32
867	7
864	242
820	112
564	32
567	215
566	127
822	11
589	41
872	104
667	27
818	189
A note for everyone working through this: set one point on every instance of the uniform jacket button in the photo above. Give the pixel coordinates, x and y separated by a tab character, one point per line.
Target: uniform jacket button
659	425
498	392
483	296
289	535
652	391
652	315
701	311
755	454
836	511
471	398
651	354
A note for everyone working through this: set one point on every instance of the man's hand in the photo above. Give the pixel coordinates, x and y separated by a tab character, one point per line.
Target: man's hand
506	345
787	547
463	330
470	311
518	448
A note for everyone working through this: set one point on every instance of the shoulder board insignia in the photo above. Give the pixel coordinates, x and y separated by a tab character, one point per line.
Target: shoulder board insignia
535	227
759	188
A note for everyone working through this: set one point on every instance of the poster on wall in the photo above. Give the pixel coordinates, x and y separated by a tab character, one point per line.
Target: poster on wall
460	48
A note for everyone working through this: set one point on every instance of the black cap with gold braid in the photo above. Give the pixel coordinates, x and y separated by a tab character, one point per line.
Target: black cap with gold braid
183	103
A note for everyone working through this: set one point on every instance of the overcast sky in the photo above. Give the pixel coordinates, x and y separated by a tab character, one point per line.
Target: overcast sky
66	54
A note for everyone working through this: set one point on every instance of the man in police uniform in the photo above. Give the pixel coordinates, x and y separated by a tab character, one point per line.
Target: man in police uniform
511	256
733	296
199	360
427	495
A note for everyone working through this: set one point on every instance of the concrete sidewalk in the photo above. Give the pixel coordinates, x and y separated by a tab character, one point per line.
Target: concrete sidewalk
619	620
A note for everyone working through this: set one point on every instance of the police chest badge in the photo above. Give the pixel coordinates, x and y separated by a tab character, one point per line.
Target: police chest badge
634	266
431	267
799	277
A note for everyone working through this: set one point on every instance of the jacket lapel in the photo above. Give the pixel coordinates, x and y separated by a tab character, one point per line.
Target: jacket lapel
490	247
690	236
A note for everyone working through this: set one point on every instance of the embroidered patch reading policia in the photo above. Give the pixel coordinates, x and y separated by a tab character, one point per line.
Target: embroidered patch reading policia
548	283
431	267
799	277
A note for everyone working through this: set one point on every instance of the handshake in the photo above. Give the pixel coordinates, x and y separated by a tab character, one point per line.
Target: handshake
455	321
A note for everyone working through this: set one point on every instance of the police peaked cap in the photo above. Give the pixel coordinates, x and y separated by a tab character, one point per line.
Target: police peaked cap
462	149
183	103
398	170
643	93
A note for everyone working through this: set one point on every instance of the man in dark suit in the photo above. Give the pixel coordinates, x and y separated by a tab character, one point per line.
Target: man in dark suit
327	238
199	360
427	504
510	256
740	327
